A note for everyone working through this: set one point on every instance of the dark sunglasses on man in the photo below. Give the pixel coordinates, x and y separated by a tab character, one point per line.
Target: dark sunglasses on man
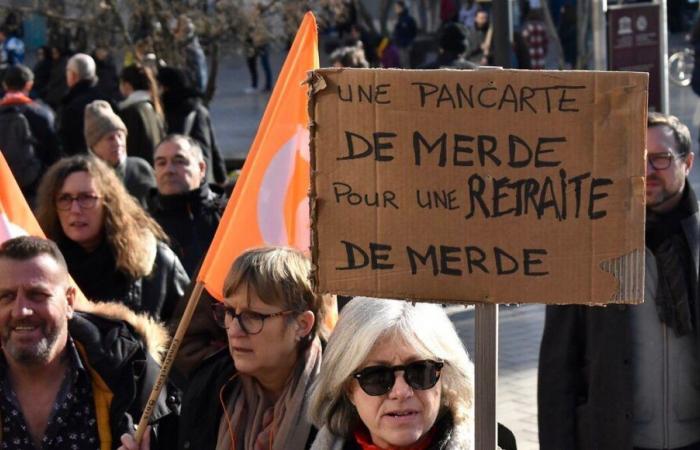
379	380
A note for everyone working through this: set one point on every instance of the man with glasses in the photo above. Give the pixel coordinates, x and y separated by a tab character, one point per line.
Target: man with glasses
628	377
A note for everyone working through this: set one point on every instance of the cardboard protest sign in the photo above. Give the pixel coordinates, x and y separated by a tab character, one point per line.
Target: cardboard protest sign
498	186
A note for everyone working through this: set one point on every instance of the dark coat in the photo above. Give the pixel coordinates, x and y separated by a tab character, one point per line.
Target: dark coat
116	352
198	427
585	390
97	276
41	123
138	178
72	116
190	220
145	129
177	109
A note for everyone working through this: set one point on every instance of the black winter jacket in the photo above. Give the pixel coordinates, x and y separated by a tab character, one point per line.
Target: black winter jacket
72	116
190	220
120	349
198	427
97	276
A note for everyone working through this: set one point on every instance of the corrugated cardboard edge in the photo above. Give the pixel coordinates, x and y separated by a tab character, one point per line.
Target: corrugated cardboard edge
315	83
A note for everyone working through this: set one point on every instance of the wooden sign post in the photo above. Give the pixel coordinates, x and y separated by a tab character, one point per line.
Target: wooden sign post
482	187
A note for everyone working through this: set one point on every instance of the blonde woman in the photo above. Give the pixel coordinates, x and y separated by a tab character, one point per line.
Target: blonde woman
394	375
114	249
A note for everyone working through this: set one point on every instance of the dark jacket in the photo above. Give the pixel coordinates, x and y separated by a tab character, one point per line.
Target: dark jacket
122	352
198	427
72	114
405	30
190	220
138	178
41	122
97	276
145	128
585	377
177	109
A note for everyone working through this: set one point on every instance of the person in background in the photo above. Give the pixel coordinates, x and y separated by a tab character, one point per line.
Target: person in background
628	376
186	114
394	375
195	60
57	87
189	210
42	73
141	111
350	56
481	39
106	72
115	250
106	136
404	33
11	48
81	80
73	374
534	34
253	395
26	129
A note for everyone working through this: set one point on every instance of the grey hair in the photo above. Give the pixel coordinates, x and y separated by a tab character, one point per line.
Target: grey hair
83	65
364	321
186	143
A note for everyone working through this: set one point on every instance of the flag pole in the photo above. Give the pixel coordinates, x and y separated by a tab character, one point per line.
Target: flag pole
169	358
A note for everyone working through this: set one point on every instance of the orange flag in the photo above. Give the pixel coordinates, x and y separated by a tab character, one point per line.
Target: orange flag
16	218
270	204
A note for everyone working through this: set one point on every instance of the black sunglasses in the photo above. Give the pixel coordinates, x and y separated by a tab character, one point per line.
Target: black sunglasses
378	380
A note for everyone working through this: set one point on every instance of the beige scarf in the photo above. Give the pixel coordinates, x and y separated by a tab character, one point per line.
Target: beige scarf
259	424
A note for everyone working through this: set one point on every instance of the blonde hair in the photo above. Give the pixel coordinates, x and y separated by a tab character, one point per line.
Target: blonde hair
279	276
363	322
128	229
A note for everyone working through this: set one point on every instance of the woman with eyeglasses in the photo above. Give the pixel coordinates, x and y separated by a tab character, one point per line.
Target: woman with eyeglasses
394	376
115	251
253	395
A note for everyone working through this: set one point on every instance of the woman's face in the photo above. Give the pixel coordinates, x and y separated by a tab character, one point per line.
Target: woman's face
270	355
81	222
404	415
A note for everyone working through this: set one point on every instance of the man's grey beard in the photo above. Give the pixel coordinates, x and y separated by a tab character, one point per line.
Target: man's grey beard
37	354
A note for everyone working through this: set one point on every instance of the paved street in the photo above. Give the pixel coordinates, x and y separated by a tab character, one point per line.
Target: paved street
236	116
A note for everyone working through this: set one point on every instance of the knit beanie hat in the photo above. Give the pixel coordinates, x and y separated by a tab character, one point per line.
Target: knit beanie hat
100	120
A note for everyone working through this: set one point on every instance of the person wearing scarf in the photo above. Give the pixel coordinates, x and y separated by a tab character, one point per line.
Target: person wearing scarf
253	395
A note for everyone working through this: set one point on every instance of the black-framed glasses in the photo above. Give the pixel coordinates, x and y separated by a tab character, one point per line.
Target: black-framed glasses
85	201
251	322
661	161
378	380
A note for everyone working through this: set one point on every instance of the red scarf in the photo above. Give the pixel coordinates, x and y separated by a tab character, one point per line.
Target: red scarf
15	98
364	440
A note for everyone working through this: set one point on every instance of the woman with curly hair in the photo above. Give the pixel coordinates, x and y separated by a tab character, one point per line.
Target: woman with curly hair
114	249
394	375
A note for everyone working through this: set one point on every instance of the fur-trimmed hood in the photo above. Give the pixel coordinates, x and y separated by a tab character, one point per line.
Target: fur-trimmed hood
153	333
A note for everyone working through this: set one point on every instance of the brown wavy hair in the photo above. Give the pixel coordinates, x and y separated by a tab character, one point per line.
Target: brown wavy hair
128	229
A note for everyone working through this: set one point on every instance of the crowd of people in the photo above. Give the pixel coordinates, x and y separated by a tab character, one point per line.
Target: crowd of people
129	190
463	39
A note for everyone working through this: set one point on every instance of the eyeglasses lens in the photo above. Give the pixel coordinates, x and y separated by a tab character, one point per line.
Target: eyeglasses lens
379	380
251	323
85	201
660	162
